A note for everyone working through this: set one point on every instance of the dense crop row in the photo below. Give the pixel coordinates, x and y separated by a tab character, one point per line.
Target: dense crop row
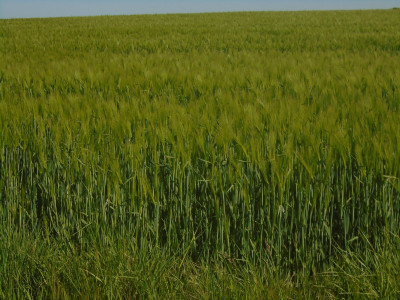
267	137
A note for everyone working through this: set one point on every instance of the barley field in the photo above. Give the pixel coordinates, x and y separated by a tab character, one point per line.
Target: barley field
226	155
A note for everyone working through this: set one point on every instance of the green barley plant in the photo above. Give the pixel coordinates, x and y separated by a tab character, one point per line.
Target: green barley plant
200	155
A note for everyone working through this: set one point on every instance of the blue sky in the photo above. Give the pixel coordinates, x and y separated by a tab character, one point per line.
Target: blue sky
55	8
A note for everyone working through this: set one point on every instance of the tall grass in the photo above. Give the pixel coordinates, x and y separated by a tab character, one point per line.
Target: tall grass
259	139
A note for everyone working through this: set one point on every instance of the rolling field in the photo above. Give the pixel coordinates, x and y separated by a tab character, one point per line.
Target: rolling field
223	155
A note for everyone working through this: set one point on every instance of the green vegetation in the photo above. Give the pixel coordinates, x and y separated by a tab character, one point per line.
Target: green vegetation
205	155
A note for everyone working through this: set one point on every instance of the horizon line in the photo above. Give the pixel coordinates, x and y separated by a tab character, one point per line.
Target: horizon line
201	12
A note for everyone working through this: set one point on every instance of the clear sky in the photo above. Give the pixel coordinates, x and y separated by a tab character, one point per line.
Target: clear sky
56	8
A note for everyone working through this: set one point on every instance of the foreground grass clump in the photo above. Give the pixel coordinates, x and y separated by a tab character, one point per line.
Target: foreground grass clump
32	267
189	155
